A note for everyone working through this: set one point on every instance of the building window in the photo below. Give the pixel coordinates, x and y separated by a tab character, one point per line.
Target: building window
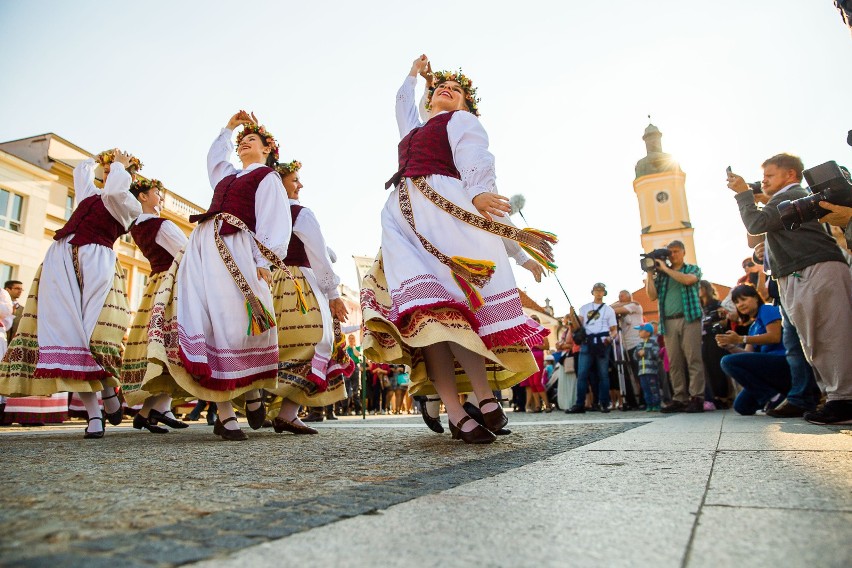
7	272
69	205
11	208
139	282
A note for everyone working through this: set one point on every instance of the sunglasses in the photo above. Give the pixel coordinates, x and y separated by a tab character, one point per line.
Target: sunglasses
748	264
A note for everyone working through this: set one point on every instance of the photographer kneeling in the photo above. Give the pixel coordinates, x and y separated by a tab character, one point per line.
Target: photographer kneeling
758	361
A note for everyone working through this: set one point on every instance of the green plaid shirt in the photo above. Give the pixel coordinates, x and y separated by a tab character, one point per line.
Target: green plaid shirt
691	303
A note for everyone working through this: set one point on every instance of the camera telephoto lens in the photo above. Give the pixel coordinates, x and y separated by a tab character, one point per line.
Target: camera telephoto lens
828	182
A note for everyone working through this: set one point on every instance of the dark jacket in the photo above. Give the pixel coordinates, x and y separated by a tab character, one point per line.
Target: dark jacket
789	251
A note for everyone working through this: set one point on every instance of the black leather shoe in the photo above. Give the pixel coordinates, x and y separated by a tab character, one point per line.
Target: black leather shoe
479	435
140	422
576	409
229	435
156	416
257	416
280	425
314	417
476	414
95	435
675	406
114	418
786	410
495	419
433	424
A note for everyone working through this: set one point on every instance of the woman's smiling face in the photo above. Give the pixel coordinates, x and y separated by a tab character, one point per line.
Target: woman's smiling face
448	96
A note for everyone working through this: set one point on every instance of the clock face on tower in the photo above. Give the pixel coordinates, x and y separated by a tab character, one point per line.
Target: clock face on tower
662	197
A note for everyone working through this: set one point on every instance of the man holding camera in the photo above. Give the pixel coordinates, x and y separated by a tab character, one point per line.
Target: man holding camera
814	280
676	288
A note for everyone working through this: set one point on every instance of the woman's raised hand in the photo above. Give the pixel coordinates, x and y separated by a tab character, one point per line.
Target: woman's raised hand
419	65
122	158
489	204
427	74
242	117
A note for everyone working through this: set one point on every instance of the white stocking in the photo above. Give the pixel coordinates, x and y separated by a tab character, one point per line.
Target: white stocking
440	368
290	412
93	409
474	367
433	405
252	394
226	410
110	404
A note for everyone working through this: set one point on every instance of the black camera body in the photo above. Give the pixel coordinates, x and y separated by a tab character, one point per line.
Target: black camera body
828	182
714	323
646	261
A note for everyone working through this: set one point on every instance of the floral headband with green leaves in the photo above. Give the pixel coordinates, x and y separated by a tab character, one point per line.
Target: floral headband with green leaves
108	156
463	80
288	167
261	131
142	185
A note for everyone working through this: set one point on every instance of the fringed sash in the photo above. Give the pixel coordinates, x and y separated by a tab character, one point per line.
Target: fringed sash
260	318
471	272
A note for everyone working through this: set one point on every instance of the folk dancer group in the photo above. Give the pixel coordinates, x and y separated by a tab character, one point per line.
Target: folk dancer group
246	311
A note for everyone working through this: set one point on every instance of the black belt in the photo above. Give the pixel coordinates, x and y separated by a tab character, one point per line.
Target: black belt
674	317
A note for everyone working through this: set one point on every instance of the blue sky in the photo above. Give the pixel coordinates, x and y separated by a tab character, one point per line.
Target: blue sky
566	88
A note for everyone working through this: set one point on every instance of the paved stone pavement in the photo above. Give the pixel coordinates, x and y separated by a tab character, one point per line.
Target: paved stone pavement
166	500
598	490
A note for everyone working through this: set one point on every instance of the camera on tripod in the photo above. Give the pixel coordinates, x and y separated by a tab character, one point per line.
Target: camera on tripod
647	260
828	182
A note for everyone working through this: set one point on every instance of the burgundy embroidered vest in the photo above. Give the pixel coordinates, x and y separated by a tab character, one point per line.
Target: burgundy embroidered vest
296	255
235	195
91	224
145	237
426	151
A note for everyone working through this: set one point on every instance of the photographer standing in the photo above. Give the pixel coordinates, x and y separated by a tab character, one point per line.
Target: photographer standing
676	288
599	323
814	280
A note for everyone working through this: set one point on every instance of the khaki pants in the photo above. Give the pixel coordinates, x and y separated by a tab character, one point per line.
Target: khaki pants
683	345
819	303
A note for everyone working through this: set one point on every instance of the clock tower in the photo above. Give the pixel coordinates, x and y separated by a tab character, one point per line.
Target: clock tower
660	187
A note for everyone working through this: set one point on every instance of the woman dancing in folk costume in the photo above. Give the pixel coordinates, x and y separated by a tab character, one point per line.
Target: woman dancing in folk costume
313	362
212	331
441	296
70	334
160	240
431	404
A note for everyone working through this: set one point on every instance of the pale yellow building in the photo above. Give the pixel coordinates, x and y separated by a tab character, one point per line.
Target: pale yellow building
37	197
660	187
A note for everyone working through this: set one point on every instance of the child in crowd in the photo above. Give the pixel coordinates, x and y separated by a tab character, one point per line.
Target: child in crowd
648	353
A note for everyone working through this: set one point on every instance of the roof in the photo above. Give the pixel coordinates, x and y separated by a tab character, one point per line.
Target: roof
529	303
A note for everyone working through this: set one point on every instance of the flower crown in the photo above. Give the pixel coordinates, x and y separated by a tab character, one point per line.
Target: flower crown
142	185
463	80
108	156
288	168
261	131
